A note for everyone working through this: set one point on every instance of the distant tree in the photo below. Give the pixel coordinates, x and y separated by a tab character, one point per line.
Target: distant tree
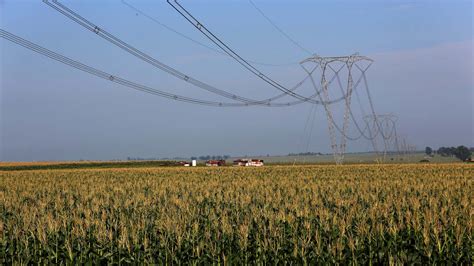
428	150
193	158
462	153
446	151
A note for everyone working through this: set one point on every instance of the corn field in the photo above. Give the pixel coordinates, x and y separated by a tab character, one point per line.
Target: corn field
357	214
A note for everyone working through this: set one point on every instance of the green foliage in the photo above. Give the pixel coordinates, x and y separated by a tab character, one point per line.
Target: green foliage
462	153
428	150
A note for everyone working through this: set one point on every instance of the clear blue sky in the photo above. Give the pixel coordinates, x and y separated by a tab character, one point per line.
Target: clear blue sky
423	72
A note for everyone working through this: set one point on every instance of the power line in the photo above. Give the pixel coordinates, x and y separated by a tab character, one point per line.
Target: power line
303	136
104	75
143	56
279	29
156	21
117	79
361	131
311	128
99	31
330	117
199	26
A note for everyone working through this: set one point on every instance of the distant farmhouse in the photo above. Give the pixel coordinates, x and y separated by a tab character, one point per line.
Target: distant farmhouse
248	162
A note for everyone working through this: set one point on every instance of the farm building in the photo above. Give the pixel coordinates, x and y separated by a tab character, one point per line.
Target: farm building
248	162
215	163
182	163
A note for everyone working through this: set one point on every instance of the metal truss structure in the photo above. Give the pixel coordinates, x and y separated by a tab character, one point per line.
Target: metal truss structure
334	66
384	128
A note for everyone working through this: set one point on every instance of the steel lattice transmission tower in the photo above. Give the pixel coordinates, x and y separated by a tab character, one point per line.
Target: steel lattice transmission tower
383	127
336	67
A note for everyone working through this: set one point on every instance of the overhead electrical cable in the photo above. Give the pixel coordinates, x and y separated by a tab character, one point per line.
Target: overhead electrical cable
326	64
143	56
361	131
107	76
331	119
371	104
104	34
199	26
110	77
303	136
367	128
372	134
311	128
279	29
218	51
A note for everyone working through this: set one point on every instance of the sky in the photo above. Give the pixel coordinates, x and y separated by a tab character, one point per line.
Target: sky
422	73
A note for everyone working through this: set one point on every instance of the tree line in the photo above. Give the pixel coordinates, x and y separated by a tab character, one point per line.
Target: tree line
463	153
305	154
211	157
